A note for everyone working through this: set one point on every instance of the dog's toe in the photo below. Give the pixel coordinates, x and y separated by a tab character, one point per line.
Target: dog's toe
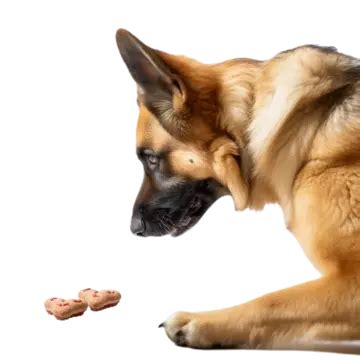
186	329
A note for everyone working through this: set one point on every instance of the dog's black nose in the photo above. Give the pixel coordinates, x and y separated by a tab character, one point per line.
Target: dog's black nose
137	226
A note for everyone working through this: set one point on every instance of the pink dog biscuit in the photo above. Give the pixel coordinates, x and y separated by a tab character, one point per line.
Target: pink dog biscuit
98	300
65	309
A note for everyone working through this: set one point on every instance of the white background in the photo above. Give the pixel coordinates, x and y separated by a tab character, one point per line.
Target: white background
69	175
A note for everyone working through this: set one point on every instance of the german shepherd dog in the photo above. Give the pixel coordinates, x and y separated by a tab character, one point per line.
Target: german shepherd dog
286	131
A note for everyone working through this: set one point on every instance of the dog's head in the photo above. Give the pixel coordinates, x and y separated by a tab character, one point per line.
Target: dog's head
189	161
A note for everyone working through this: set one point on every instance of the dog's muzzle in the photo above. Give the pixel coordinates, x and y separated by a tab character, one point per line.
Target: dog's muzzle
174	211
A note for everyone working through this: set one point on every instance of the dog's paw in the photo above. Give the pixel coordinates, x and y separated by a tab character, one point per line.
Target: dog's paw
189	329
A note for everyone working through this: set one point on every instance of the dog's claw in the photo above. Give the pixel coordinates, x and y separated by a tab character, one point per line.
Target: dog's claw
161	325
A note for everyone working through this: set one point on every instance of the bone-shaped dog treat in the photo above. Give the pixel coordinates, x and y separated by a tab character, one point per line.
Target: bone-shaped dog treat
65	309
98	300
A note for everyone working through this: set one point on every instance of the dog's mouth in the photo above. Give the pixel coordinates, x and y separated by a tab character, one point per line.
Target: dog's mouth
191	216
179	221
178	210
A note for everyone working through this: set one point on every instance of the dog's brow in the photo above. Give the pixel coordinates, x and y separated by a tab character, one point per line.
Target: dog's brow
149	152
141	150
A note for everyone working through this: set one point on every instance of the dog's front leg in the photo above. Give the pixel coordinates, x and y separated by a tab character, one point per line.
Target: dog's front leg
306	316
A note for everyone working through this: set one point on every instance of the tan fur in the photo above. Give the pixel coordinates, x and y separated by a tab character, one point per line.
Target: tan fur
286	130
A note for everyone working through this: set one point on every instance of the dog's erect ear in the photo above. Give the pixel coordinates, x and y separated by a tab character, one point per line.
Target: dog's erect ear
162	91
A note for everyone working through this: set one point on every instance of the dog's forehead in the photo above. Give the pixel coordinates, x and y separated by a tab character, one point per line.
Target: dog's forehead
184	159
150	134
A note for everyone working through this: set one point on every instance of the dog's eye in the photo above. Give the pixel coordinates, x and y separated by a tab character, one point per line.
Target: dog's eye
152	160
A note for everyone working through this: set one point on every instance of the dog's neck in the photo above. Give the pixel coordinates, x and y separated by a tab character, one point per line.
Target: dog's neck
274	109
237	97
238	81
